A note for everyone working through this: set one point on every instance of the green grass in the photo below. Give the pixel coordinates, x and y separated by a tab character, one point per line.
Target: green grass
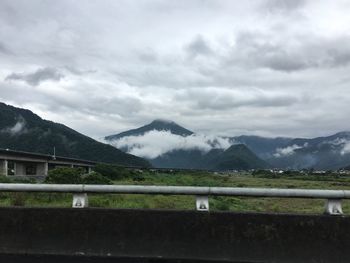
282	205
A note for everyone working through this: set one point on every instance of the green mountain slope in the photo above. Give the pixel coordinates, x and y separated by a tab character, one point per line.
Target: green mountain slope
238	157
261	146
23	130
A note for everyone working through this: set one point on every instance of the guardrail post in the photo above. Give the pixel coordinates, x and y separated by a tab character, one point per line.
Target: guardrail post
80	200
202	203
333	207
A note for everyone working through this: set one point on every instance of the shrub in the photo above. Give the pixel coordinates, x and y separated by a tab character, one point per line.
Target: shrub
5	179
138	178
265	174
95	178
24	180
64	175
112	172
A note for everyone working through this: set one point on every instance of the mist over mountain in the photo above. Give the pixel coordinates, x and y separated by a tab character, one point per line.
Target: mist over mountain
156	143
330	152
21	129
167	145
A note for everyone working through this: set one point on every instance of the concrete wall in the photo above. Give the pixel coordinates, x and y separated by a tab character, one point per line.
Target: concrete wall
42	169
185	235
20	168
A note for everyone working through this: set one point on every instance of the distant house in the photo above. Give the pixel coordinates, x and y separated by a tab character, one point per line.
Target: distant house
320	172
17	163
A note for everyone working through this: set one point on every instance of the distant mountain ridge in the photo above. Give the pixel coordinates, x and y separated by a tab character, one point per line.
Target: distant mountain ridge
22	130
327	153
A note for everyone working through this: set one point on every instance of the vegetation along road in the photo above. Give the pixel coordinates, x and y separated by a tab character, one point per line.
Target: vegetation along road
116	175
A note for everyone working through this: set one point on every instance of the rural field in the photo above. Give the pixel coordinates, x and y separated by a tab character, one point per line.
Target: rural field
238	179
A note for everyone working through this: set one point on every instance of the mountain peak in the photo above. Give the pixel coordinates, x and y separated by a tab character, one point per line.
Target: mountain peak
162	121
156	125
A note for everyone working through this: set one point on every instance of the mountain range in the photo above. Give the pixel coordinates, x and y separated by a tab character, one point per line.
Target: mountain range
236	156
163	143
243	152
327	153
22	130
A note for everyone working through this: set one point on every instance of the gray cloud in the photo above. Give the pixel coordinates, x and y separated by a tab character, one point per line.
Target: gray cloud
198	47
252	67
78	71
223	99
4	49
38	76
283	5
254	49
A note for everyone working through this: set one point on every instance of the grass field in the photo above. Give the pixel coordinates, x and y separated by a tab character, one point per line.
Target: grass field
188	202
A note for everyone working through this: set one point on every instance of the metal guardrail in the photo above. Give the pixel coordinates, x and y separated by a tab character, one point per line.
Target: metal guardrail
80	199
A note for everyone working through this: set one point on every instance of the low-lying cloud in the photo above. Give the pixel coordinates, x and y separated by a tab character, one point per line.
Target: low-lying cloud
343	143
17	129
156	143
340	145
346	148
288	151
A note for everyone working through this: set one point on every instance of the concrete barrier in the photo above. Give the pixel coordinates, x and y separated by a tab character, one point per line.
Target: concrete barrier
174	235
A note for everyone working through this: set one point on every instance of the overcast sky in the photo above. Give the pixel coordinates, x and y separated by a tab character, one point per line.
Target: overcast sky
269	67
